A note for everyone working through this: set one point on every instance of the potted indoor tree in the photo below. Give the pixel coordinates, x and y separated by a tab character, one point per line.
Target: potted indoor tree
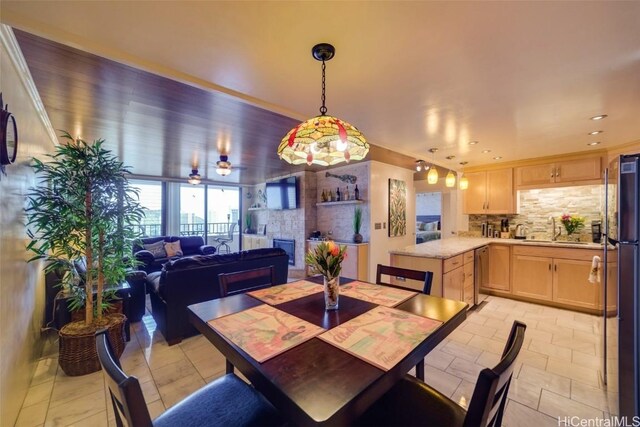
84	208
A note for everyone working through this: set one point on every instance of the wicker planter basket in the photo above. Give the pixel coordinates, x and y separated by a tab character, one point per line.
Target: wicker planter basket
78	354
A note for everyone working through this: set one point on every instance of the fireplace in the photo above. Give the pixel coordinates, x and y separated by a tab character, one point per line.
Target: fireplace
289	247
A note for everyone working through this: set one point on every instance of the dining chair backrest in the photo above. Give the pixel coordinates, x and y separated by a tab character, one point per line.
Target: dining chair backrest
247	280
232	229
426	277
487	404
125	391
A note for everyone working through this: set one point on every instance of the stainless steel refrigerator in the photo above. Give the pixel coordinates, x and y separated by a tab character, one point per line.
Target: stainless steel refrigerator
621	319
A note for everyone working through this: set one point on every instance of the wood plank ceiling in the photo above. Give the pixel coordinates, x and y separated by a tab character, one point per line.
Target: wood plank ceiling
158	126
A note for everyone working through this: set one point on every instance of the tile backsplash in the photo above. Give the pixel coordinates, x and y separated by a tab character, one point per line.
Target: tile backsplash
536	206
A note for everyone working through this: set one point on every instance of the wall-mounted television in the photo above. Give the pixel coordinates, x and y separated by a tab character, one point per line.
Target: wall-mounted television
282	194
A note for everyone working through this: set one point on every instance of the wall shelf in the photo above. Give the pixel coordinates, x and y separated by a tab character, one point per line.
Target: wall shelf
343	202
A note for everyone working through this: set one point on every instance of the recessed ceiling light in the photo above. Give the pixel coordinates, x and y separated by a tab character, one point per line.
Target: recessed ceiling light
486	151
594	143
463	163
451	157
596	132
600	117
497	158
473	142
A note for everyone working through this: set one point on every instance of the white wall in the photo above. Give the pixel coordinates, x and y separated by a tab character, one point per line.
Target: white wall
21	284
380	242
429	203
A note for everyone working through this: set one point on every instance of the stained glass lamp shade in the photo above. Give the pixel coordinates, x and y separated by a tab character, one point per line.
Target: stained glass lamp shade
324	141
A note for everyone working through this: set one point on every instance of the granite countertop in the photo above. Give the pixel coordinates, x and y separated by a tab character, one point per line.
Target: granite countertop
446	248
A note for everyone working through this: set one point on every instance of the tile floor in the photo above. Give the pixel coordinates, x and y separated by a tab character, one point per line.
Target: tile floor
557	372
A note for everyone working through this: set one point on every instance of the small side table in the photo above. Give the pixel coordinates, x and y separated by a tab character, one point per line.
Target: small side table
62	314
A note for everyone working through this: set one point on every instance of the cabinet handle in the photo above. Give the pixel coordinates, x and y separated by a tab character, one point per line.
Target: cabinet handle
553	171
549	267
558	172
555	267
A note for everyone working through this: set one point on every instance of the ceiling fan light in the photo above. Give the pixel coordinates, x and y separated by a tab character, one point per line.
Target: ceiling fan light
432	176
223	171
194	177
450	180
464	183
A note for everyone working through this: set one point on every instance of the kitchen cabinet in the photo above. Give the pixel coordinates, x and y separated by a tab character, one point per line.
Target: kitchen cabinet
499	267
355	265
254	241
532	276
453	277
559	275
490	192
559	173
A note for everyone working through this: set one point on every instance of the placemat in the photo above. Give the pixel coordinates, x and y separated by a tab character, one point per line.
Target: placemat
287	292
264	331
382	336
381	295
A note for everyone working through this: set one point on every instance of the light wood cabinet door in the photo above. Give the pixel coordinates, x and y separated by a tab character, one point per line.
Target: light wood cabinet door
452	283
532	277
475	197
350	264
570	284
578	170
529	176
499	267
500	198
467	283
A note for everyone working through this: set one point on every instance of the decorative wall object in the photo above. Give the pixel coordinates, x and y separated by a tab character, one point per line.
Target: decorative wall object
350	179
397	208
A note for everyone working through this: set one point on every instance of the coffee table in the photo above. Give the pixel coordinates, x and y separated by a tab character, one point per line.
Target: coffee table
316	383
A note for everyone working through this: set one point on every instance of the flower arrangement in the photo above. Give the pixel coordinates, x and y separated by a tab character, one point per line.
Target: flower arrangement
572	223
326	259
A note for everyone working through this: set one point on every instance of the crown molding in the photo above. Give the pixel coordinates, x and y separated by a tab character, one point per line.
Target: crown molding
10	43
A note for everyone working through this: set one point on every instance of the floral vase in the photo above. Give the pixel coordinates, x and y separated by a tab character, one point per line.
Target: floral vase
573	237
331	292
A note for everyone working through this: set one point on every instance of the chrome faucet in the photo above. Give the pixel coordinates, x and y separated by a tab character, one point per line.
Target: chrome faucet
555	232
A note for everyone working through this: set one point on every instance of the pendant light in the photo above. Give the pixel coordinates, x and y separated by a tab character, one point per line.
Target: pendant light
450	180
432	176
323	140
463	183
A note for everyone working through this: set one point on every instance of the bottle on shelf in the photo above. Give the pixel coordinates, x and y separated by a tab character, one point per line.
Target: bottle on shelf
357	193
346	194
338	194
331	196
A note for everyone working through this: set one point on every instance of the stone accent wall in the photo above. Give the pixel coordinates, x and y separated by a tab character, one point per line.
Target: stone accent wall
338	219
536	206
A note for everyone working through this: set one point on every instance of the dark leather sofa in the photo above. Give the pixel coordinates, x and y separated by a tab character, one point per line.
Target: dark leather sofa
190	245
191	280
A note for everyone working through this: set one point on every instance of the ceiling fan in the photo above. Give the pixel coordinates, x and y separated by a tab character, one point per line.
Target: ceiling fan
223	166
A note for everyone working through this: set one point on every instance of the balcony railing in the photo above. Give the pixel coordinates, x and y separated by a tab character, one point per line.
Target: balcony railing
213	229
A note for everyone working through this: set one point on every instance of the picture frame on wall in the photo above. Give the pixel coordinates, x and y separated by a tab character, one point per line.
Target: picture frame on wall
397	208
262	229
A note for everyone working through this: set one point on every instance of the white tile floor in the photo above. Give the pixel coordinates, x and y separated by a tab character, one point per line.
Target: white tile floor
557	373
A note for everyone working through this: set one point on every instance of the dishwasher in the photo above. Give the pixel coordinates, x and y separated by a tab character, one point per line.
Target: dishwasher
481	272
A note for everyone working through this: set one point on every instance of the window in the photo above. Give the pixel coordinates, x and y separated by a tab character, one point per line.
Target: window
150	194
192	219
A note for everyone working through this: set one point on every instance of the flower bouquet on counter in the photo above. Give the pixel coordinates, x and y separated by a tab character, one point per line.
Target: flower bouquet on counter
326	259
572	223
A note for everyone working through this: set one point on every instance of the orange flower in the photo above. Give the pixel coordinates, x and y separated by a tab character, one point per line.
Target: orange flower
333	248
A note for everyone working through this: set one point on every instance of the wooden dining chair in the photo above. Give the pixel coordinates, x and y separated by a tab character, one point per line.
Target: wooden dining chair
240	282
426	277
412	402
227	401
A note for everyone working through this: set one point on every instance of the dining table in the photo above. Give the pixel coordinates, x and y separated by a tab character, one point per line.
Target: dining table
333	364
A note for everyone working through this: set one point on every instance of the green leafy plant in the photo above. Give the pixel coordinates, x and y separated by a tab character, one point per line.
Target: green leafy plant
83	206
357	220
326	259
248	222
572	223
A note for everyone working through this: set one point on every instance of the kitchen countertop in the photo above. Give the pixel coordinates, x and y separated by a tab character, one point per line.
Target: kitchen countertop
446	248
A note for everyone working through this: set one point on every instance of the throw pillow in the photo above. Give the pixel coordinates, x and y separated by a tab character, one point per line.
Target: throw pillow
156	249
173	248
431	226
419	225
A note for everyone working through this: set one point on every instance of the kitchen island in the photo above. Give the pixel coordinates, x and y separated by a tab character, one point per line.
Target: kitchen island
552	273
